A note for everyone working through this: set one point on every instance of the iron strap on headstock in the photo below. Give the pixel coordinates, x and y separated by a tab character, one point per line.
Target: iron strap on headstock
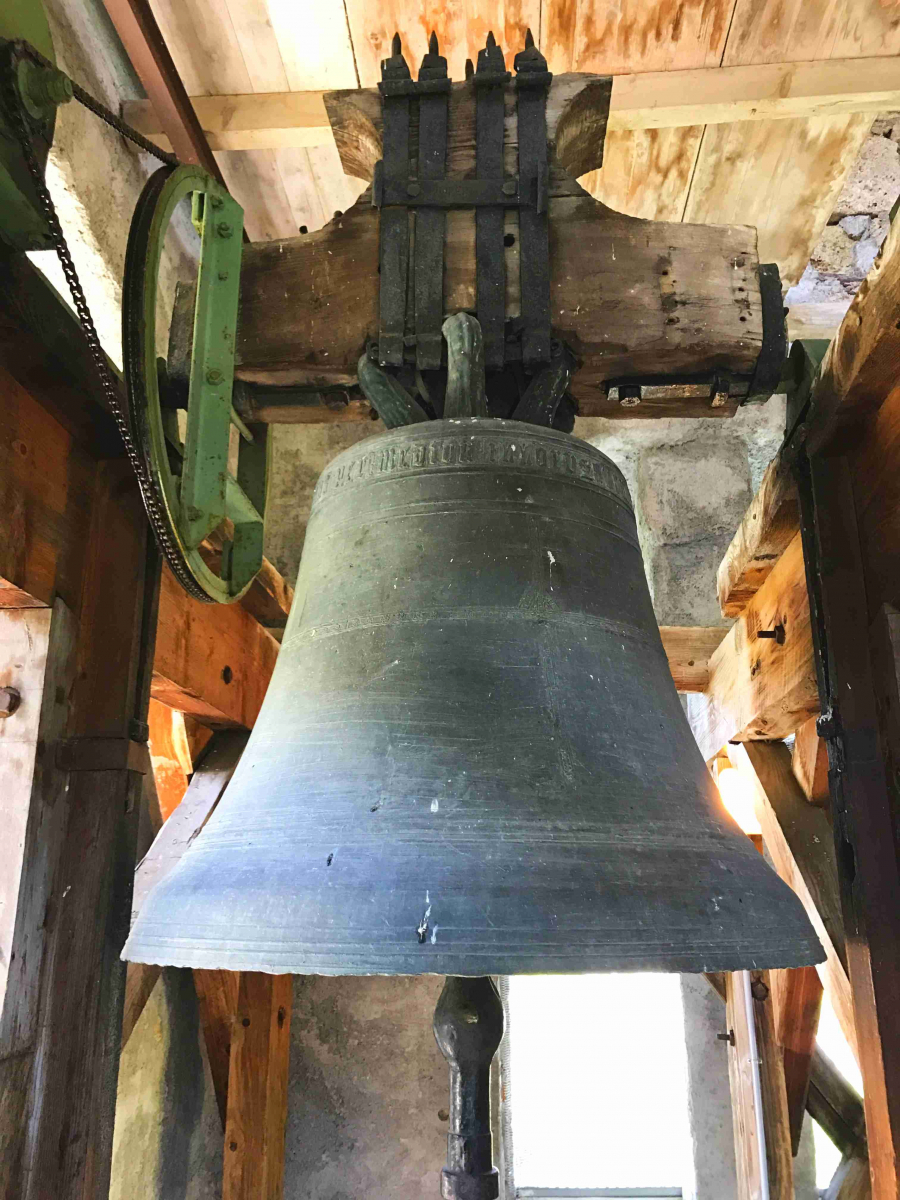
414	207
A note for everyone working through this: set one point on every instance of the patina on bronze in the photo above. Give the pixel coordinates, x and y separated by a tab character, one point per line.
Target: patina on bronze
472	759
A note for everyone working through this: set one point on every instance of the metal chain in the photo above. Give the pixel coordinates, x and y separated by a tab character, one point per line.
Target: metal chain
17	51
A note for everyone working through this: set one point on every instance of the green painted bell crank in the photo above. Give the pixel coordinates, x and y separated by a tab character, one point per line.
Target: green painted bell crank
206	493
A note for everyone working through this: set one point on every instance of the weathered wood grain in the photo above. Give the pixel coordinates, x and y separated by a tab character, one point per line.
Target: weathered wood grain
768	527
809	762
257	1089
774	1157
798	1003
692	304
799	839
649	100
762	688
214	662
689	649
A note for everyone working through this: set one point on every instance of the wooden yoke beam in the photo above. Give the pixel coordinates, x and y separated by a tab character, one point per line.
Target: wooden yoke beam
634	299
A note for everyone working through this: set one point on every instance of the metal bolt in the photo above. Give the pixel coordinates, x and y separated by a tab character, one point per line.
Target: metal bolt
777	633
223	275
726	1037
629	396
215	201
213	375
10	699
412	189
509	187
224	230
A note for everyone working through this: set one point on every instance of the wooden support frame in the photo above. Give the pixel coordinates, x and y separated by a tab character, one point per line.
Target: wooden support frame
257	1088
798	838
865	849
650	100
754	1055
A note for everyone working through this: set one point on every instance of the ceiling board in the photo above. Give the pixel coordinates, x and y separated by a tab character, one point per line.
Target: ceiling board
223	47
645	173
461	27
785	176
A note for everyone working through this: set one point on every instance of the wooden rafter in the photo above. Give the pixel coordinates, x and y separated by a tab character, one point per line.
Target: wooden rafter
651	100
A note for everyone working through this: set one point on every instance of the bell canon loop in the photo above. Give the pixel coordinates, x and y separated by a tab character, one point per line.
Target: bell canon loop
472	759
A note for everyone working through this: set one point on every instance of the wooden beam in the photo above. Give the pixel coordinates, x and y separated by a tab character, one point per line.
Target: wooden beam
762	688
851	1181
213	661
187	820
688	649
751	1017
308	304
650	100
145	46
864	823
860	369
798	838
837	1107
857	379
768	528
217	998
830	1100
257	1089
809	762
798	1003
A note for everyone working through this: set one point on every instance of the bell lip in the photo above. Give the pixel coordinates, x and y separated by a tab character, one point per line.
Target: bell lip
800	952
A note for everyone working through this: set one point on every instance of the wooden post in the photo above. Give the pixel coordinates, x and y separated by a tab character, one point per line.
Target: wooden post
257	1089
863	819
798	1003
751	1016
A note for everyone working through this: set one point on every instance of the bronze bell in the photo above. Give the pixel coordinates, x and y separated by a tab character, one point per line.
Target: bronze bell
472	759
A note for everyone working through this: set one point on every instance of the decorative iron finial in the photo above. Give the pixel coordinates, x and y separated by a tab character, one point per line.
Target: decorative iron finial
433	43
396	45
470	68
529	39
491	63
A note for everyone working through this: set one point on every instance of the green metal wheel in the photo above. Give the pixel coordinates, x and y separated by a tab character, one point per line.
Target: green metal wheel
212	516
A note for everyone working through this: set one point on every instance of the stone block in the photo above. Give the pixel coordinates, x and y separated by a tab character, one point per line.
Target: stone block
682	579
874	183
834	252
688	491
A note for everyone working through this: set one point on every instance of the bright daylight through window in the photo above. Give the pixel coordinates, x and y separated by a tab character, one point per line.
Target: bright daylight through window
599	1083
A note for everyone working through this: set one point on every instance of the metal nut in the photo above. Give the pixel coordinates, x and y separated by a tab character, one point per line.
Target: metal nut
10	699
213	375
224	230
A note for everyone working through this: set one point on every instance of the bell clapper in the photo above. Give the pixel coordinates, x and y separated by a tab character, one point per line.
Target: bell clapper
468	1026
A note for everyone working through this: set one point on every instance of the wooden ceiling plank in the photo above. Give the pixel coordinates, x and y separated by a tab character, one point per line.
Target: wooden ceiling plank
645	173
798	168
461	29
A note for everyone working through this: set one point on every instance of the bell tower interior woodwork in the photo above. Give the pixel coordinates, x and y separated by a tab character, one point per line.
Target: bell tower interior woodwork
449	477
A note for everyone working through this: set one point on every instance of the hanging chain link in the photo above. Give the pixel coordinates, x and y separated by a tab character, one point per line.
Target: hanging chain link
19	51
